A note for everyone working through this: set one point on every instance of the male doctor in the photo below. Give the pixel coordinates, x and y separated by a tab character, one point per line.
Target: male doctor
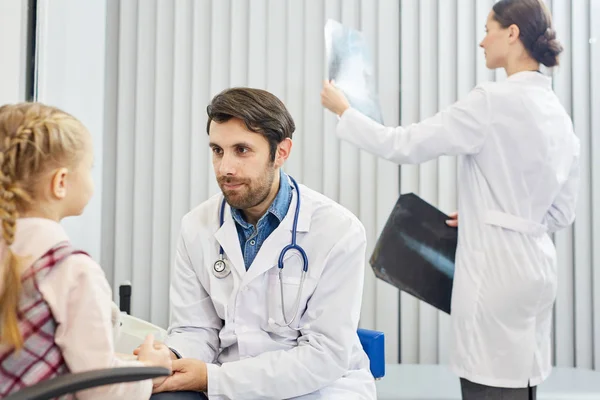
230	307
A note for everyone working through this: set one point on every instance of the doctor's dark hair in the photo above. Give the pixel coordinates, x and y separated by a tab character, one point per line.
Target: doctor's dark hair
535	26
262	112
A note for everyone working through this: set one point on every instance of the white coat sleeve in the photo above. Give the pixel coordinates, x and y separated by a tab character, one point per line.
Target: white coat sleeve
562	211
194	326
459	129
324	348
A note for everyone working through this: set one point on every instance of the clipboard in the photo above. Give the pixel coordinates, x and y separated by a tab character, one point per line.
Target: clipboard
416	251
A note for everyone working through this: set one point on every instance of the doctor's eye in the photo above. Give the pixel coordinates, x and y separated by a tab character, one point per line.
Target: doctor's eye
242	150
217	151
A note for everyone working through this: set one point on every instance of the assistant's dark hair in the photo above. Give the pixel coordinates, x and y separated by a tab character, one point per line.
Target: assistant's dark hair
261	111
535	24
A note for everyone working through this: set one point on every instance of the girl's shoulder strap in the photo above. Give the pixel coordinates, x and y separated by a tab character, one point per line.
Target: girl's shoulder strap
51	258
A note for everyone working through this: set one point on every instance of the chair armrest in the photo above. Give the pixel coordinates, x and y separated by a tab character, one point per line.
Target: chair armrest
71	383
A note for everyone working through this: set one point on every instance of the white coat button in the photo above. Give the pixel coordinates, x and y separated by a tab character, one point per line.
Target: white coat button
244	329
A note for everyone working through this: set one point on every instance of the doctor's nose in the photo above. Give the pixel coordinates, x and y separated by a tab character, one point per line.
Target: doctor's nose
227	165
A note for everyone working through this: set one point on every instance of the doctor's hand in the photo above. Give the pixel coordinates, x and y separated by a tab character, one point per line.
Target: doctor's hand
333	99
453	221
188	375
152	355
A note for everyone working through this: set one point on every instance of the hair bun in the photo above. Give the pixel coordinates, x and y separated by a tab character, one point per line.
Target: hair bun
546	48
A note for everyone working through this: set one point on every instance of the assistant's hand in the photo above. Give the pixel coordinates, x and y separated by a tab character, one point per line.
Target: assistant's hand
188	374
333	99
453	221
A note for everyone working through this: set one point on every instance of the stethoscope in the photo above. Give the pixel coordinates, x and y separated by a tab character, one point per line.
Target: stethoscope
222	267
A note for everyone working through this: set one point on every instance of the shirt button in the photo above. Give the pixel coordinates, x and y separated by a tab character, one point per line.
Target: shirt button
252	242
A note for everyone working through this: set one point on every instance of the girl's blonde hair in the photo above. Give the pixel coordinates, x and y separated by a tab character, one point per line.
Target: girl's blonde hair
34	138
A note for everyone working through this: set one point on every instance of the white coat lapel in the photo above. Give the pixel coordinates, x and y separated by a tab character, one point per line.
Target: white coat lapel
227	237
268	255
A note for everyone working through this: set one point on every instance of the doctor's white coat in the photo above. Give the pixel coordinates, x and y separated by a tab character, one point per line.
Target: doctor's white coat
517	182
234	323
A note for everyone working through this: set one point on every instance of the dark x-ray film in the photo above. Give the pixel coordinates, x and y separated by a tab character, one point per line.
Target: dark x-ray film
350	65
415	251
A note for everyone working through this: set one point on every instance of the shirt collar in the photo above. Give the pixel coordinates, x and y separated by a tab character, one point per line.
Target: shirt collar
532	77
278	208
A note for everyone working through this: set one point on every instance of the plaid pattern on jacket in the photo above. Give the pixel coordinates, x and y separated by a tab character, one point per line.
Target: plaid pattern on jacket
40	358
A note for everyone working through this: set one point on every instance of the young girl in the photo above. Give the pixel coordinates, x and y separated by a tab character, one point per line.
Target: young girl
55	302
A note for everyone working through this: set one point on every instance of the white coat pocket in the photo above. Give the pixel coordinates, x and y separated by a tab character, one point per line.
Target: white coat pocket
284	296
467	283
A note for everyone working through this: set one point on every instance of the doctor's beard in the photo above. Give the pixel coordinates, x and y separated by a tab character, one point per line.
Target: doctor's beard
251	193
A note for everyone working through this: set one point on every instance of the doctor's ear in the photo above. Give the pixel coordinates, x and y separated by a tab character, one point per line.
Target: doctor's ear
283	151
513	33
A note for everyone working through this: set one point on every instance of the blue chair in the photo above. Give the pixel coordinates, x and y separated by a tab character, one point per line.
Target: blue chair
373	343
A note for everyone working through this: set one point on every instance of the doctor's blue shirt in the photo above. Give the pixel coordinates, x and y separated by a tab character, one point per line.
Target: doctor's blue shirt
251	238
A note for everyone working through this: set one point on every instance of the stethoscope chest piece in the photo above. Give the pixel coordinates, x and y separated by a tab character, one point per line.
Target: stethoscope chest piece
221	268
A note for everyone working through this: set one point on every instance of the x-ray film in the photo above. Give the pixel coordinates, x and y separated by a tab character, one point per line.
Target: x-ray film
415	252
350	65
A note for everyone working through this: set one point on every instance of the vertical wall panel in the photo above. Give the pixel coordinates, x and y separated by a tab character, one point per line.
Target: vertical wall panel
446	74
257	43
388	67
312	124
582	246
594	43
565	307
13	47
482	10
275	64
349	155
184	112
202	90
220	63
428	177
124	148
143	146
182	123
465	52
367	179
162	158
242	45
331	146
109	138
295	82
409	178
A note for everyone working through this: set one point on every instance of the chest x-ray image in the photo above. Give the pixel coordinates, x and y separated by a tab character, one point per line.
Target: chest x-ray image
416	251
350	65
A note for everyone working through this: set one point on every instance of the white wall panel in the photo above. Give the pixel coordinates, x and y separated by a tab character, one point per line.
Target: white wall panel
594	43
580	28
13	46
